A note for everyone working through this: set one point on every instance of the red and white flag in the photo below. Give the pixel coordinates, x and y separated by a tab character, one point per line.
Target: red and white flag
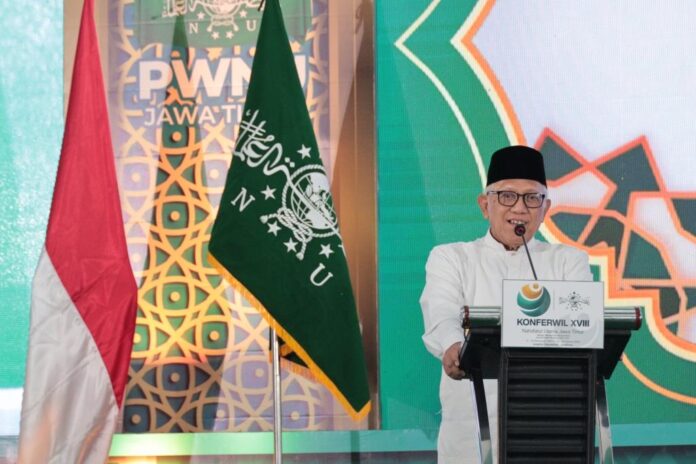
84	296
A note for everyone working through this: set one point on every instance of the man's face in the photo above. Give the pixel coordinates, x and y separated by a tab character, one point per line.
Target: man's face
503	219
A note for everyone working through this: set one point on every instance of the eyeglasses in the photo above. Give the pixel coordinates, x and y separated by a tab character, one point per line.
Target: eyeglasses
509	198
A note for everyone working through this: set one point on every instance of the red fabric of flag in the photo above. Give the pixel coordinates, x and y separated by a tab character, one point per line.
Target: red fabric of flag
84	297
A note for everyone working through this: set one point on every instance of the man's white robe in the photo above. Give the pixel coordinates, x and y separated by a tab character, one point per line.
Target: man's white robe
472	273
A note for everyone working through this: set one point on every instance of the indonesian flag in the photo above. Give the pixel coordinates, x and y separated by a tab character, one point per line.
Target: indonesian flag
84	294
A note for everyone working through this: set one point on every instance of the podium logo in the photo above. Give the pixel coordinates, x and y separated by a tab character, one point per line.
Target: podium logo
533	300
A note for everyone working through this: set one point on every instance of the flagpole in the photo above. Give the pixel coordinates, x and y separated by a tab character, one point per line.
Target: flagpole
277	411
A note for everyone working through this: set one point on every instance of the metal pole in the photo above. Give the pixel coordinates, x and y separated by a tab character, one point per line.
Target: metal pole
277	411
606	451
484	431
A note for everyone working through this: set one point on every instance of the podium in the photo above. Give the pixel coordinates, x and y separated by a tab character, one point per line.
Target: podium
549	399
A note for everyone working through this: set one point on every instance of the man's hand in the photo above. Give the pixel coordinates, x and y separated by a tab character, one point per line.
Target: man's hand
450	362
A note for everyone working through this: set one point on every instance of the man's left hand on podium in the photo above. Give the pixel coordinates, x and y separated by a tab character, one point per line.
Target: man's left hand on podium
450	362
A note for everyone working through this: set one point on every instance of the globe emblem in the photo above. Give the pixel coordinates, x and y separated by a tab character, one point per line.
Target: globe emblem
222	7
223	12
533	300
308	196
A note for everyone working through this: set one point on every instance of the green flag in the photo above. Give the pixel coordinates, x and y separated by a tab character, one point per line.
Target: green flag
276	236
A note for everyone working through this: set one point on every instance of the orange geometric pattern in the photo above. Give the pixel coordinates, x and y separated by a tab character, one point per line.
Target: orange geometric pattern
624	283
628	223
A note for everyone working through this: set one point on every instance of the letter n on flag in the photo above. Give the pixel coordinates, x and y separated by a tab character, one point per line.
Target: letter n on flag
84	296
276	236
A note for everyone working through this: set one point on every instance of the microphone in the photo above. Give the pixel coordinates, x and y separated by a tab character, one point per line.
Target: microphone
520	230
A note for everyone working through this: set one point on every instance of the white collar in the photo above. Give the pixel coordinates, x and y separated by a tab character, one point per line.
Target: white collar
491	242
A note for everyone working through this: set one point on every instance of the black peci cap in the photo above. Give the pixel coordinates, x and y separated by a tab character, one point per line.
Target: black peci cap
516	162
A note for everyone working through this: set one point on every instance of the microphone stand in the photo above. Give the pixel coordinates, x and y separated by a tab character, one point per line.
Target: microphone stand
520	230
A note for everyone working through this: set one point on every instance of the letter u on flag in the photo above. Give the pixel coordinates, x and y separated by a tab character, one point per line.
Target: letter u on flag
276	236
84	296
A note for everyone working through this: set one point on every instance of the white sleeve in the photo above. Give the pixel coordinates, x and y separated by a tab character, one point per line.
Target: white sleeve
441	301
577	265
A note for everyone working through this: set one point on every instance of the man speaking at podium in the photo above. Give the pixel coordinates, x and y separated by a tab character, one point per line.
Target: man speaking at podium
472	273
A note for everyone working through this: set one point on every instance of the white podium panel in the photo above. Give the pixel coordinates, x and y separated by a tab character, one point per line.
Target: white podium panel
552	314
